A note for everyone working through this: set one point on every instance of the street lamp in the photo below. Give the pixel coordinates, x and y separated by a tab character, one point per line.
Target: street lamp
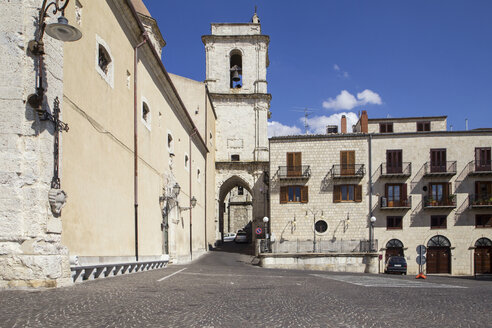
265	221
192	205
371	233
61	31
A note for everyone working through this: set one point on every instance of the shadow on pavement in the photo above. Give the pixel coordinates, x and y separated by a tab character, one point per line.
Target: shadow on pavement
232	247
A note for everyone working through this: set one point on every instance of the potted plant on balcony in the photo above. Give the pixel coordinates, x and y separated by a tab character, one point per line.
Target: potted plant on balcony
451	199
431	202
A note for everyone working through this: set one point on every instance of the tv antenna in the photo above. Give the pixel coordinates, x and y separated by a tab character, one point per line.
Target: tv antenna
307	111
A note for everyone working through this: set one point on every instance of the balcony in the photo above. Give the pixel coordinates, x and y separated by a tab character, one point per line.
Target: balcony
403	171
480	168
440	169
347	171
294	172
480	201
445	202
402	204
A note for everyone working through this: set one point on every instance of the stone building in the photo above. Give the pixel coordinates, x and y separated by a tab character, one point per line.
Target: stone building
430	187
236	63
135	134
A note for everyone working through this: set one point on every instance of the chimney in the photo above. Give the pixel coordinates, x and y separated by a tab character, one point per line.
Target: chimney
364	122
344	124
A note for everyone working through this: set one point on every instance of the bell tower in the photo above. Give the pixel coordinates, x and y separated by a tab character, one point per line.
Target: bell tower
236	65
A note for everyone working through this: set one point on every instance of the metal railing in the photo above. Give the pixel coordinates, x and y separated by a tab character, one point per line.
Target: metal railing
480	200
322	246
480	167
405	169
288	172
447	168
384	203
347	171
445	201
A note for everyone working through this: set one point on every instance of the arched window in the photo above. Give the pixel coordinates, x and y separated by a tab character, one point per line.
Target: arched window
236	69
483	242
438	241
187	162
198	174
394	243
104	61
146	114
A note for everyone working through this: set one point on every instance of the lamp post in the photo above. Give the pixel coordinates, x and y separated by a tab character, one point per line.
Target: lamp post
314	212
371	233
61	31
265	221
168	202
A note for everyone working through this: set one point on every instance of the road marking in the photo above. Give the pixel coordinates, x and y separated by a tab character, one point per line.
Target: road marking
230	275
172	274
370	281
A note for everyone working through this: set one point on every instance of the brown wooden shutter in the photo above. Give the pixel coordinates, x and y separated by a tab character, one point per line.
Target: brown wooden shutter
448	189
358	193
304	194
290	159
337	194
404	191
477	188
284	195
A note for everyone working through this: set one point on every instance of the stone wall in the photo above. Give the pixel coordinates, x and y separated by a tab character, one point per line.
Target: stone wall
31	253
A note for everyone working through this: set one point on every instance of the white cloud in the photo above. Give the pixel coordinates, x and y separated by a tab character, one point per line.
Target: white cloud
340	72
369	97
336	67
317	124
345	100
276	129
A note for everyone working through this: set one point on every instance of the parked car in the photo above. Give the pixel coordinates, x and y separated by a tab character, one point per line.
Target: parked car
241	237
396	264
229	236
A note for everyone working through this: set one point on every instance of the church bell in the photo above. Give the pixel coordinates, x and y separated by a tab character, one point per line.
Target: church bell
235	74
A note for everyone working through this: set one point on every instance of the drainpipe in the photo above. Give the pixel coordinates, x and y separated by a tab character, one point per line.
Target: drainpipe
205	173
135	139
191	209
370	195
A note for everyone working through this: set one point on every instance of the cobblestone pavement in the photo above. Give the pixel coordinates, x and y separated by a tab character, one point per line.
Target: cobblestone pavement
222	289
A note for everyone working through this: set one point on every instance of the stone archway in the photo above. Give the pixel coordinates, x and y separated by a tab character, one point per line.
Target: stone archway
252	178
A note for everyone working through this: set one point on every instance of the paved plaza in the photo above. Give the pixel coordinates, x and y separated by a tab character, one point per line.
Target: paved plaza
223	289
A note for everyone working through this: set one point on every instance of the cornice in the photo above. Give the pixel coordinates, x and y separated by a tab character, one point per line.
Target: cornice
227	96
258	37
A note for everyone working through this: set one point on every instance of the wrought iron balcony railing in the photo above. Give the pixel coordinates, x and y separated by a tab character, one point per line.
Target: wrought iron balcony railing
480	200
440	169
480	168
294	172
347	171
448	201
403	170
385	203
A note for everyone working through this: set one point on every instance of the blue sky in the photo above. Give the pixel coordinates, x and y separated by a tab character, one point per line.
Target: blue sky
391	58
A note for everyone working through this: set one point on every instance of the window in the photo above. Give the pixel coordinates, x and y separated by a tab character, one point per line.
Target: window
293	194
385	127
396	194
438	160
186	161
483	220
145	112
236	71
347	162
78	12
347	193
394	162
170	142
438	222
104	61
198	175
482	159
235	158
394	222
321	226
240	190
439	193
423	126
294	164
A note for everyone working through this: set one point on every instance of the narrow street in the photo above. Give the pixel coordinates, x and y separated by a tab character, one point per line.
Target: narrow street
222	289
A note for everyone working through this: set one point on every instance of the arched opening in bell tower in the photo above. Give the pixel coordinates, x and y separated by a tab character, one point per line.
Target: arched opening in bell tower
235	207
236	69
